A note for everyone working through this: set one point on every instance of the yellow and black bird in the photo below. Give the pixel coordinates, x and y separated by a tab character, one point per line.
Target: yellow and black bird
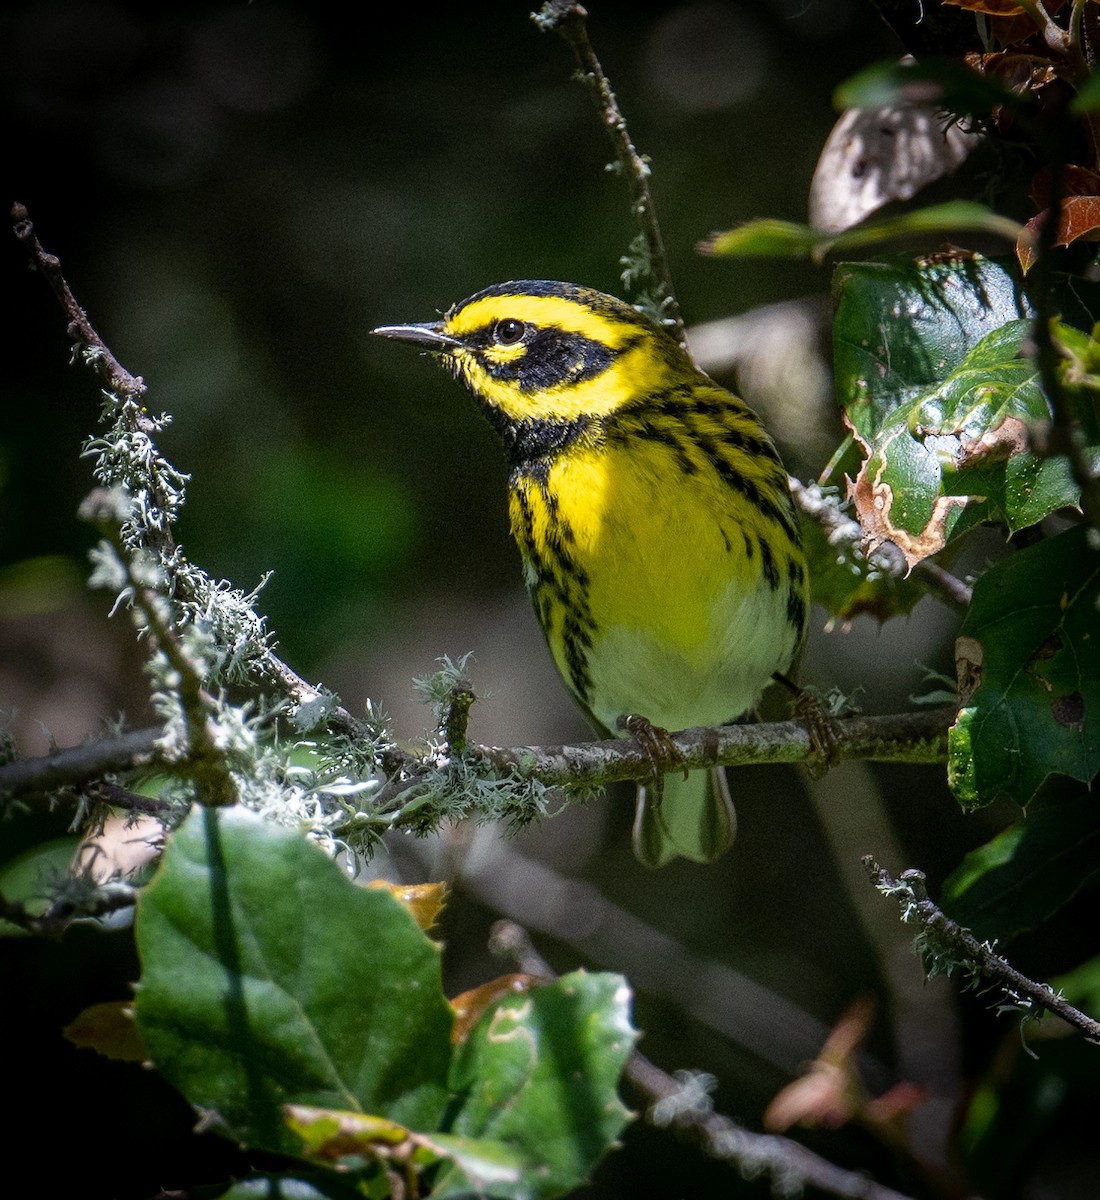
653	516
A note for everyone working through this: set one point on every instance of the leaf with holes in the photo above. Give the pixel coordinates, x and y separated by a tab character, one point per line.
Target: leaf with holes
960	452
901	328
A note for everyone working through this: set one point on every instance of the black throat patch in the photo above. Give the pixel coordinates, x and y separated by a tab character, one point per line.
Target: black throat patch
527	442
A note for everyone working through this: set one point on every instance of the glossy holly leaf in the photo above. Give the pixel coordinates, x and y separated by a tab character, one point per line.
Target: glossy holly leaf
960	452
1029	871
268	978
1031	696
902	328
539	1074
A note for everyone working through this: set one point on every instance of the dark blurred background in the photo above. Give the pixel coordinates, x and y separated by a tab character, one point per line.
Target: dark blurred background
238	193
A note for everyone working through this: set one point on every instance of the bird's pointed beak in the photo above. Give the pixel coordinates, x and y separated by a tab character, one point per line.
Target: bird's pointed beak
431	337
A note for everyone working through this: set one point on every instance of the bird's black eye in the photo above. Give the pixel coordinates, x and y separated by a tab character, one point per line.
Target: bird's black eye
509	331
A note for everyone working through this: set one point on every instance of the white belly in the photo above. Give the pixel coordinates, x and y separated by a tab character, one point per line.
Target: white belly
634	671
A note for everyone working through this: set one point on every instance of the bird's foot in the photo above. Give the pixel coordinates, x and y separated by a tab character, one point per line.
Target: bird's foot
656	743
824	736
812	712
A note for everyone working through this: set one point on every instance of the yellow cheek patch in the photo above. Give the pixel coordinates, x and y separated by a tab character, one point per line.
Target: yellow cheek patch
599	396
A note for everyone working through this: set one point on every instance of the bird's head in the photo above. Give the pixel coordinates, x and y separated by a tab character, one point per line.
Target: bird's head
536	350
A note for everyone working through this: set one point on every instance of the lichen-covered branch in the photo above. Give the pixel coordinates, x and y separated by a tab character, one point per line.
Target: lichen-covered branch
947	946
648	258
918	737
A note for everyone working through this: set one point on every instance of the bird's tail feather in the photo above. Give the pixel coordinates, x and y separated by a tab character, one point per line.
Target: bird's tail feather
686	818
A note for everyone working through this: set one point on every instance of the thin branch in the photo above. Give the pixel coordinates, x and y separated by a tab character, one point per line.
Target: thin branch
128	751
958	947
90	348
682	1103
917	737
842	531
569	20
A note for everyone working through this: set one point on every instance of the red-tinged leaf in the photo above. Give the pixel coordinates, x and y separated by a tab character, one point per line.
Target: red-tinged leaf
1018	70
991	8
1009	22
1080	220
1027	241
1076	181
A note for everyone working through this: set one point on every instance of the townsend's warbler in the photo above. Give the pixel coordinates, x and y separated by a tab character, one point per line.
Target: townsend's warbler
659	541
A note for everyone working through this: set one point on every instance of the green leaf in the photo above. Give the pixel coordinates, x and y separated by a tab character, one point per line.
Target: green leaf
785	239
539	1073
1088	98
768	238
319	1186
1031	637
1028	872
1015	1111
959	452
26	879
934	82
269	978
934	370
902	328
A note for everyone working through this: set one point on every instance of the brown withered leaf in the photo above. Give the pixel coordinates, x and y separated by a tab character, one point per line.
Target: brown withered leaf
1018	70
108	1028
995	445
1009	22
1079	221
873	500
469	1006
969	661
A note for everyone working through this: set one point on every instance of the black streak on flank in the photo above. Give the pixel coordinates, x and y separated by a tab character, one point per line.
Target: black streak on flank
767	561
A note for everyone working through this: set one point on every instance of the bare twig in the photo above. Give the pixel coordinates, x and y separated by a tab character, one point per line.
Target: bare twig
960	948
570	21
682	1103
129	751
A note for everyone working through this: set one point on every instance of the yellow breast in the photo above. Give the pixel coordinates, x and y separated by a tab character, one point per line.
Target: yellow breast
650	581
